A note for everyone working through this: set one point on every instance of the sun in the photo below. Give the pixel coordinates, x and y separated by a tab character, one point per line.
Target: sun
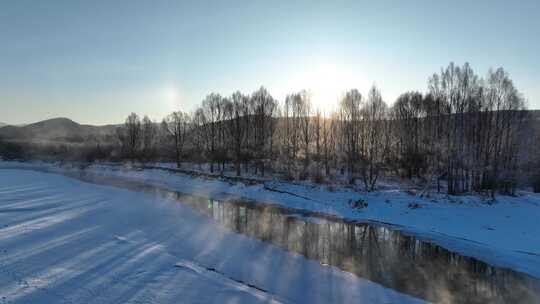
171	94
326	83
171	97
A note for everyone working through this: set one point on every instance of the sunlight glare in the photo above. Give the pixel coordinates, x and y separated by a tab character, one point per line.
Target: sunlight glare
327	83
171	96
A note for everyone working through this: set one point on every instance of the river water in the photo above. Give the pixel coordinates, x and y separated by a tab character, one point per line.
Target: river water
376	252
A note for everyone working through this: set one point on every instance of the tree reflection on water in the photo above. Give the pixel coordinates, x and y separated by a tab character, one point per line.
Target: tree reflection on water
377	253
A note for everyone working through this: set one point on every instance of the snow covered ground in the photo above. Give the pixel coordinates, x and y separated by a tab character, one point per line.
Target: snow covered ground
505	233
66	241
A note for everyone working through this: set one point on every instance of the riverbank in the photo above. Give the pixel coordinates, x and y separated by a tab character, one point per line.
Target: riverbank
504	233
67	241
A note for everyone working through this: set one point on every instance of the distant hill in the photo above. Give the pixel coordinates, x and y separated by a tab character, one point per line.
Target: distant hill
535	117
57	130
535	114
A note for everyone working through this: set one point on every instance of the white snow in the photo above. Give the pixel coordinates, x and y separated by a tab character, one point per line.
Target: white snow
506	233
65	241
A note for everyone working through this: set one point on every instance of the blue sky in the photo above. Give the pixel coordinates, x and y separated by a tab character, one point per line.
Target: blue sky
97	61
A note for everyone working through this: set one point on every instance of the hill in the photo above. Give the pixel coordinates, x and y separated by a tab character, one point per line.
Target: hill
56	130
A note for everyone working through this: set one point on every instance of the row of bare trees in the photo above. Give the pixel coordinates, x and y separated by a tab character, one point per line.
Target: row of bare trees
465	134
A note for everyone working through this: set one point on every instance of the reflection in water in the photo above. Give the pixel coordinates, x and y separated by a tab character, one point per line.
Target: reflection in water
377	253
374	252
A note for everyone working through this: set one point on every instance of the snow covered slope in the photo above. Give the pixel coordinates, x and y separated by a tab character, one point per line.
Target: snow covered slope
65	241
505	234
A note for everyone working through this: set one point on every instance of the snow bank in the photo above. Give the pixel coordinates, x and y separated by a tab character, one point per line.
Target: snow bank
65	241
504	234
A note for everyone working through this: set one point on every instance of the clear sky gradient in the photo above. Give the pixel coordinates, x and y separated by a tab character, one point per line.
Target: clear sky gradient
97	61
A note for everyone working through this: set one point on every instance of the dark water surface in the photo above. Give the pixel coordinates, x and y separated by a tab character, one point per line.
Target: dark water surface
372	251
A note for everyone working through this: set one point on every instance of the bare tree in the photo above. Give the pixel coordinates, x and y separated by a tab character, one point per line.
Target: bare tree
198	138
304	111
238	127
291	134
466	131
374	111
130	136
480	123
408	115
177	125
264	109
317	137
211	111
328	138
148	134
350	126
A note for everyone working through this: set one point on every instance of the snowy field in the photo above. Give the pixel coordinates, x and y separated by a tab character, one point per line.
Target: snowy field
505	233
65	241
